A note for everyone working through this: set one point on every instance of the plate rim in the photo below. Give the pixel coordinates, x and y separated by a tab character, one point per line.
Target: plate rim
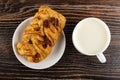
17	55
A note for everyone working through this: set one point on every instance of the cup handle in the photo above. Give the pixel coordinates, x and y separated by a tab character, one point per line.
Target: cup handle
101	57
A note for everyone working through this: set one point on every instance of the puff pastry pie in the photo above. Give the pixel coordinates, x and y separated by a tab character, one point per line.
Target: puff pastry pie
41	35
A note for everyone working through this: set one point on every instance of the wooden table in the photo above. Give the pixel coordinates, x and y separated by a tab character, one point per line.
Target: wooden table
72	65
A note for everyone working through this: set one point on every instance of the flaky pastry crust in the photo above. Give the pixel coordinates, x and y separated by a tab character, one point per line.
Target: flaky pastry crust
41	35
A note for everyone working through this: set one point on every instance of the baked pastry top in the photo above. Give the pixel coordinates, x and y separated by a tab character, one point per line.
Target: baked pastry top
41	35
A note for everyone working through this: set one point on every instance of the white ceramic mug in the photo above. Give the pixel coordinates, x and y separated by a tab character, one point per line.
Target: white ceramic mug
86	30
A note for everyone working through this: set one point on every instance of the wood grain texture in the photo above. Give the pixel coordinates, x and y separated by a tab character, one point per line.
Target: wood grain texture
72	65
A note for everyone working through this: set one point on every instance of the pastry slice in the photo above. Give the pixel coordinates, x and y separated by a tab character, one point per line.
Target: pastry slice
41	34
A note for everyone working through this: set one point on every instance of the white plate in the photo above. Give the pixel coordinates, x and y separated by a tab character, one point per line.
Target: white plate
54	56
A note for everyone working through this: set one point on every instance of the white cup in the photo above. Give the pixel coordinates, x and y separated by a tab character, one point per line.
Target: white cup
91	22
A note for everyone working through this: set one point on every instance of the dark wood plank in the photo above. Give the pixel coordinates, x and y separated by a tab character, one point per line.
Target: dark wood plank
72	65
